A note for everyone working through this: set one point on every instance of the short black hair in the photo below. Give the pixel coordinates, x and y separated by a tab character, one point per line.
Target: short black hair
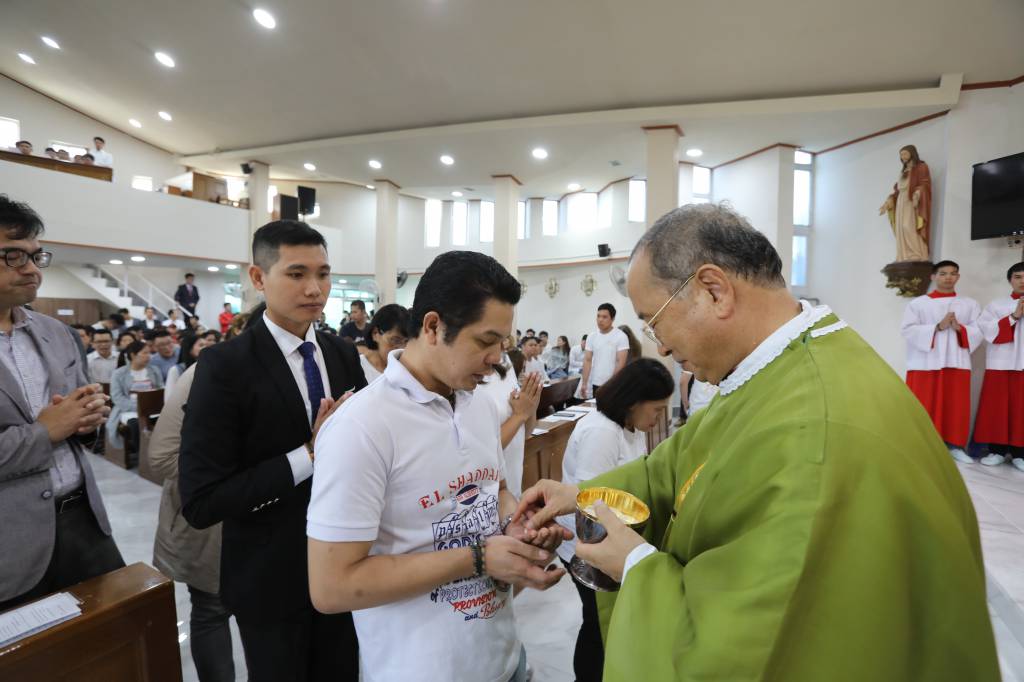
1016	267
99	332
457	286
22	142
391	316
211	332
584	338
88	156
527	339
18	220
227	304
116	318
49	149
640	380
129	352
945	264
543	333
100	139
267	241
609	307
189	274
158	334
357	304
123	311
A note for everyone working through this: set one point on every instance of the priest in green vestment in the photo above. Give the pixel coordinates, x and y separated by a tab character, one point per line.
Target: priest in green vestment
808	525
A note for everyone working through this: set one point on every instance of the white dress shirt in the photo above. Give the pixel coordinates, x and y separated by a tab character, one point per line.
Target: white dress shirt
101	157
302	466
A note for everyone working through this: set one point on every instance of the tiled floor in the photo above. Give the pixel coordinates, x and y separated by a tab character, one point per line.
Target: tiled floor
548	621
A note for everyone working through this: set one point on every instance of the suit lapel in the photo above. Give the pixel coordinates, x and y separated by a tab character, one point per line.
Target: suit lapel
271	359
336	374
10	385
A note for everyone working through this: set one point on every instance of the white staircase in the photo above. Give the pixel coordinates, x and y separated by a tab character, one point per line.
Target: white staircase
106	291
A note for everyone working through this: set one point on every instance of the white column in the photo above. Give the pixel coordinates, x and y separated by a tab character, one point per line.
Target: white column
685	183
385	262
506	242
534	218
784	210
447	233
473	225
662	170
259	214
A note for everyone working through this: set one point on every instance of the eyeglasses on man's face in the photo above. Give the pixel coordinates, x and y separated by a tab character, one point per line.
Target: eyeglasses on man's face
649	325
16	258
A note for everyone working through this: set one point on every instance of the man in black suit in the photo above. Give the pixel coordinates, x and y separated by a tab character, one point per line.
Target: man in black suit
187	297
256	405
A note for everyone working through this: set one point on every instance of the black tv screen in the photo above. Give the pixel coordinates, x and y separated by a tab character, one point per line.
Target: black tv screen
997	206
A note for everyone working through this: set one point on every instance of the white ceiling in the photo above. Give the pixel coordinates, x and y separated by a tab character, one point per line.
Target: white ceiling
341	69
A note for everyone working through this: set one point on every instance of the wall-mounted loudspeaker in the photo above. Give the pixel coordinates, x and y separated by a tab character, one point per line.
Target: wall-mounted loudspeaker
603	250
307	199
289	207
247	168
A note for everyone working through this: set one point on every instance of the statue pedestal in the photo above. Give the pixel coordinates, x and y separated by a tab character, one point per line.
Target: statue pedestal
910	278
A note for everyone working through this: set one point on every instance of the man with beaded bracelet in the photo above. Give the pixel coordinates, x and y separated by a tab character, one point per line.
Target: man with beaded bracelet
408	522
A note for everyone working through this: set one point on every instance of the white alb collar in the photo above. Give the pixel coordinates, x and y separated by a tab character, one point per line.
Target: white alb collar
772	347
286	341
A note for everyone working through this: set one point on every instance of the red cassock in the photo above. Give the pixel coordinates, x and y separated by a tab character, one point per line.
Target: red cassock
939	362
1001	408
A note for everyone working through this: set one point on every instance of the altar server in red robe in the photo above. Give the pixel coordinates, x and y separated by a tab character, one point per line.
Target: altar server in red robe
1000	421
941	331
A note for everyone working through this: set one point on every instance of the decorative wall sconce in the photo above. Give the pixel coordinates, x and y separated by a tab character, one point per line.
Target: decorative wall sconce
551	287
588	284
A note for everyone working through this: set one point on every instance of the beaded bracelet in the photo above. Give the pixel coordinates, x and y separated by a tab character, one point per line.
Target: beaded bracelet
478	558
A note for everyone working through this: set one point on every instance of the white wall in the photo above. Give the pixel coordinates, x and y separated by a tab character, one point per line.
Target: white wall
59	283
851	243
42	120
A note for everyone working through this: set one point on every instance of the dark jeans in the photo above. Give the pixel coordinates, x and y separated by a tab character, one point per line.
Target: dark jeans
588	660
998	449
211	637
305	647
80	551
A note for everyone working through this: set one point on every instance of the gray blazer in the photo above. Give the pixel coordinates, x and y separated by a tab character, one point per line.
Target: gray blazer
187	554
27	511
121	396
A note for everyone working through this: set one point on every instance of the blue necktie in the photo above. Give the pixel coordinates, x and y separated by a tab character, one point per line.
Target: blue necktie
314	384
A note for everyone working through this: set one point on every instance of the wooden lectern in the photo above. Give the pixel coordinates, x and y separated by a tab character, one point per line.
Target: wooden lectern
127	632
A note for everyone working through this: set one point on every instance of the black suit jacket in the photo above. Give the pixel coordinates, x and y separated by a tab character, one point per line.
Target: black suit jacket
244	414
188	301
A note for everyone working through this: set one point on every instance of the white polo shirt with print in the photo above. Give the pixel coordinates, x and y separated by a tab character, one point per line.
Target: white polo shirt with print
397	466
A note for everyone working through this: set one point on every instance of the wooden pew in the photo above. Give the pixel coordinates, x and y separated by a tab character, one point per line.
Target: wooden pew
542	454
127	631
555	395
94	172
660	431
150	405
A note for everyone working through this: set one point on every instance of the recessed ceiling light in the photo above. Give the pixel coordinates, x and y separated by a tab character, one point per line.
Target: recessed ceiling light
25	58
308	166
574	186
213	268
135	123
138	259
50	42
456	193
375	164
164	115
264	18
370	187
540	153
447	160
231	266
694	152
114	261
342	281
164	59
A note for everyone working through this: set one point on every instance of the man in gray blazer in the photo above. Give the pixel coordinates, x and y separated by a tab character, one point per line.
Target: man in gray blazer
54	531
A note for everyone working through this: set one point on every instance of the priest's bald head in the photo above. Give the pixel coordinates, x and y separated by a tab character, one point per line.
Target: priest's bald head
709	288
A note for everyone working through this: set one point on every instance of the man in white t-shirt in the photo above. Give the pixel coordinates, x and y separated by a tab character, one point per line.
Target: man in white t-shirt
606	352
532	355
407	522
101	157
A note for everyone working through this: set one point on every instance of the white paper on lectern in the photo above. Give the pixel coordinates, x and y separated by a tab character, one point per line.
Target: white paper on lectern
37	616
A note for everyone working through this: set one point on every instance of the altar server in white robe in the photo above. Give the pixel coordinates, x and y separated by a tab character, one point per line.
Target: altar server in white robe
941	331
1000	421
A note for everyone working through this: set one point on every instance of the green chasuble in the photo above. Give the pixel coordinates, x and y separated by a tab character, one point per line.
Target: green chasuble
829	536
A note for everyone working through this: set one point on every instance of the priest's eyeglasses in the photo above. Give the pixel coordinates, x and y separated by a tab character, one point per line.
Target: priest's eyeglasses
649	324
16	258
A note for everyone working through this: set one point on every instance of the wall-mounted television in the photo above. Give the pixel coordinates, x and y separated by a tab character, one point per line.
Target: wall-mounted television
997	205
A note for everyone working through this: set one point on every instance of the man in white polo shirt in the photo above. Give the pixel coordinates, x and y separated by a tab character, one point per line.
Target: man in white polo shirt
606	352
408	521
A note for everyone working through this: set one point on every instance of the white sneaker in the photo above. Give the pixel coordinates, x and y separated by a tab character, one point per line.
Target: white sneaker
961	456
1018	463
993	460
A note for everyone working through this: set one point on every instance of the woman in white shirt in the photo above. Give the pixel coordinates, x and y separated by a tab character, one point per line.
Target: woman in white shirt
628	406
517	412
386	332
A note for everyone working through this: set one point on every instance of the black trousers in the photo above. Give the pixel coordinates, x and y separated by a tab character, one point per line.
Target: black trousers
588	659
210	635
306	647
80	551
999	449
